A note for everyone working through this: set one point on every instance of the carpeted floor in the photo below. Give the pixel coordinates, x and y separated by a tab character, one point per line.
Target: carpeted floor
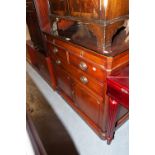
52	133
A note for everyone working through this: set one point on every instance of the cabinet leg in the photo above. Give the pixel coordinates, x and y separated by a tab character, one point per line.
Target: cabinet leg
112	113
109	141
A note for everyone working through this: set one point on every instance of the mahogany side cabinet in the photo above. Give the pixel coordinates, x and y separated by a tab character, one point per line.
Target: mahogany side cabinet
86	44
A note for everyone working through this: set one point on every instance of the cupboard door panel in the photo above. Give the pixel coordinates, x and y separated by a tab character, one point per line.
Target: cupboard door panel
88	104
64	82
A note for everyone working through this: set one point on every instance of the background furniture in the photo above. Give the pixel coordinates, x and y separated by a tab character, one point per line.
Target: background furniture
33	25
36	47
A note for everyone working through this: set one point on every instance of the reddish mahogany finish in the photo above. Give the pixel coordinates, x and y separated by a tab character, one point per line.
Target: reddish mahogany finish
41	63
88	97
87	66
87	103
64	82
51	73
30	49
87	42
42	12
118	87
113	108
99	25
33	25
118	92
90	9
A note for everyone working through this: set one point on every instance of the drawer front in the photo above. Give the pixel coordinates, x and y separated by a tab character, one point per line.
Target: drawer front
86	80
56	52
91	69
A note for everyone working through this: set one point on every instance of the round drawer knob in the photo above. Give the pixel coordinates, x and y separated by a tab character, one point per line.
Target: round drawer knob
83	66
58	62
55	50
83	79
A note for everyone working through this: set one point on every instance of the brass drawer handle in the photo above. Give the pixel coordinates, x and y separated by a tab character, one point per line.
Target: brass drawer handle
83	66
58	62
55	50
83	79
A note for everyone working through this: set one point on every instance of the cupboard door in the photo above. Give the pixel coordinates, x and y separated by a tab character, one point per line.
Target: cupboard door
59	7
64	82
84	8
87	103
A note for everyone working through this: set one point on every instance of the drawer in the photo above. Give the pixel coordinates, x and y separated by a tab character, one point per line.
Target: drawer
56	52
86	80
88	67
